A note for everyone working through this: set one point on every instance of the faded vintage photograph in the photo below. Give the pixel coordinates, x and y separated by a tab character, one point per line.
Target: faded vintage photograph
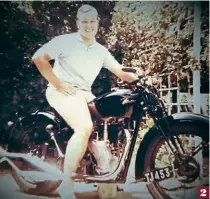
104	99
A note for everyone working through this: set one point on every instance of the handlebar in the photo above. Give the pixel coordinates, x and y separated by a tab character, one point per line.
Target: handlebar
133	70
129	70
142	81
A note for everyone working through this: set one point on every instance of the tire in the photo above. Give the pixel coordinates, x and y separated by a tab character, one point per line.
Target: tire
27	137
159	190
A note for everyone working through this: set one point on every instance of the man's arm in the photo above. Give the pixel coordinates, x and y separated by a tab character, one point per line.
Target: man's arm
44	67
125	76
112	65
41	59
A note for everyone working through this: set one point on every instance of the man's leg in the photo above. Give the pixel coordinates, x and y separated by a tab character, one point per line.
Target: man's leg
75	112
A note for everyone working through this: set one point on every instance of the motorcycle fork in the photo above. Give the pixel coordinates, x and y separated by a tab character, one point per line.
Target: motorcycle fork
175	147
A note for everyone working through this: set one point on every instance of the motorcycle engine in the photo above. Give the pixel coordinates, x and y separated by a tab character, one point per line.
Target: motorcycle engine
107	153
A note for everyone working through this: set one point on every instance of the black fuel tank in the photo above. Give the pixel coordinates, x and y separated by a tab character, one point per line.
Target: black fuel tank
111	104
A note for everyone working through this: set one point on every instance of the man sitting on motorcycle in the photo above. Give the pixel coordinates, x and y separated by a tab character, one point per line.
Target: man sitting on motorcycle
78	60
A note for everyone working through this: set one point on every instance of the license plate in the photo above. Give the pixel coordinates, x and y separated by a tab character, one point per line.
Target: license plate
159	174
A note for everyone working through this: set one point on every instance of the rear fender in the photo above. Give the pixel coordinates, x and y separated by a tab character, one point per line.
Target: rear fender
35	118
153	132
41	117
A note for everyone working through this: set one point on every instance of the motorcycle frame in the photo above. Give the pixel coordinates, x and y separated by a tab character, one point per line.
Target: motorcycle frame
122	175
137	117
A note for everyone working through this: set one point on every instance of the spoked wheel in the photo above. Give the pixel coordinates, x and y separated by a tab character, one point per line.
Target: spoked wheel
193	143
34	140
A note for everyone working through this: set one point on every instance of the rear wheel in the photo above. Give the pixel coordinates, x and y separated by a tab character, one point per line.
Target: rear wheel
33	139
194	172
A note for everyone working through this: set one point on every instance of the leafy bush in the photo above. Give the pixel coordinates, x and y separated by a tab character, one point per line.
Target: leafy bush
158	37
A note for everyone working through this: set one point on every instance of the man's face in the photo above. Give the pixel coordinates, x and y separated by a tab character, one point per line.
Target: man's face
88	24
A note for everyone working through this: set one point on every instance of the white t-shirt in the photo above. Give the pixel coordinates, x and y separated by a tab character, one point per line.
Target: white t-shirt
75	62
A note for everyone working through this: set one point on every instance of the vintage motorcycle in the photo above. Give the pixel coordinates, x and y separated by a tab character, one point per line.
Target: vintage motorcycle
172	156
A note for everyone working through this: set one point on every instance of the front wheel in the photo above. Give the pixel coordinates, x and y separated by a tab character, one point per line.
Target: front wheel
194	170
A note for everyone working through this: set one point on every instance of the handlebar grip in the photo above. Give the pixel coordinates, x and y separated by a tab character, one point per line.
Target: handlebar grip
129	70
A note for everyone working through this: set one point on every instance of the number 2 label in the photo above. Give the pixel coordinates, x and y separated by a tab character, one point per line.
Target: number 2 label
203	192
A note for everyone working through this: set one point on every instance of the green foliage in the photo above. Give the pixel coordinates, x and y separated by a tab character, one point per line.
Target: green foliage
158	36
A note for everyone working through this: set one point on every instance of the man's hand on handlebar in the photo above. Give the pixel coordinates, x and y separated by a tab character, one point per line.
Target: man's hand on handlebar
135	70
